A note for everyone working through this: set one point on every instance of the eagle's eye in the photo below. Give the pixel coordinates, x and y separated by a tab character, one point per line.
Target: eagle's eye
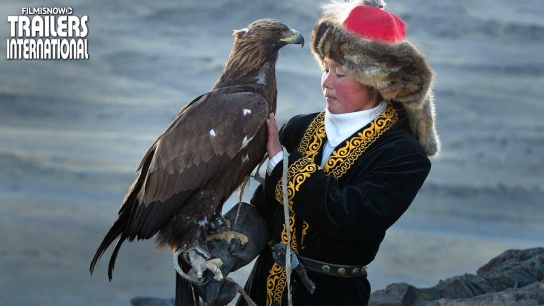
278	32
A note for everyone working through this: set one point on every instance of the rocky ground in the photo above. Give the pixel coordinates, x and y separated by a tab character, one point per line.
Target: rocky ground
515	277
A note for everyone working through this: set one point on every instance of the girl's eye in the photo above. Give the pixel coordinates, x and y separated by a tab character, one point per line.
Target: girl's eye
340	72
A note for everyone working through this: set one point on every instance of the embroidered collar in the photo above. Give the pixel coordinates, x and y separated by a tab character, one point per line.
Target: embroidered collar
345	154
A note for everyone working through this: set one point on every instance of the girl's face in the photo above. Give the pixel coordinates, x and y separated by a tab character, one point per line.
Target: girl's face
343	93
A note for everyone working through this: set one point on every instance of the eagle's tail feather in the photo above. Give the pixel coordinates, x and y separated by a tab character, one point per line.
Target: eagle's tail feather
120	226
116	230
113	257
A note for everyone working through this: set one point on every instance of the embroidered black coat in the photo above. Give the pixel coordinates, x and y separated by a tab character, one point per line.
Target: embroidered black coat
339	213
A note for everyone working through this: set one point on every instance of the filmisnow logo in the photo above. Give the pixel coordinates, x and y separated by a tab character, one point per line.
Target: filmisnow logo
47	33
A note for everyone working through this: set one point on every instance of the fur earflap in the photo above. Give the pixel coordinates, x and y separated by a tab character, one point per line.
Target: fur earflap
399	71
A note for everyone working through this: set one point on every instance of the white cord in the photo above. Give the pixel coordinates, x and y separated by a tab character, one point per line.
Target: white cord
287	225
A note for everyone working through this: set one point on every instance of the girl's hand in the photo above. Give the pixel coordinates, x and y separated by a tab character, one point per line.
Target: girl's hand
273	145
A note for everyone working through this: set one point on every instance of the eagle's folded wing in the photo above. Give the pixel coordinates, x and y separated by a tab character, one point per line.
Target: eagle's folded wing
201	142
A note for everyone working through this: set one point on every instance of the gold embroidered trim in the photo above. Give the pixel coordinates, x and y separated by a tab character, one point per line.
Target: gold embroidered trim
313	137
343	158
297	173
275	284
305	227
293	236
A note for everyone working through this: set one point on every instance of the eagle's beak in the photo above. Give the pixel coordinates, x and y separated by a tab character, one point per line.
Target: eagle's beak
295	38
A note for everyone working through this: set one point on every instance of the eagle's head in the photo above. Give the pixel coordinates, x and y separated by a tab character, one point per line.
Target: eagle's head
254	48
269	32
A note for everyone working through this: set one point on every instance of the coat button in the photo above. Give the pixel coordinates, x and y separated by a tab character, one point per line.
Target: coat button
341	272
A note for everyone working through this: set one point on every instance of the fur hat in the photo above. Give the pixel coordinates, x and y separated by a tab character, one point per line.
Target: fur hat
370	43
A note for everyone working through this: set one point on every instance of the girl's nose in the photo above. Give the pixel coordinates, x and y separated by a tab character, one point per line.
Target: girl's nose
326	80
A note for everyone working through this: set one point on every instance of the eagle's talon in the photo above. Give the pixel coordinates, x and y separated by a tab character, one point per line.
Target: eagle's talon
199	263
228	236
190	278
214	265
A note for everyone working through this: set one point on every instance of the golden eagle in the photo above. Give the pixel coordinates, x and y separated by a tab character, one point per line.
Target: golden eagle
207	152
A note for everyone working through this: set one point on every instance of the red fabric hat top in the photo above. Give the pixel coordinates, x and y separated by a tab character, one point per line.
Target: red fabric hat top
375	23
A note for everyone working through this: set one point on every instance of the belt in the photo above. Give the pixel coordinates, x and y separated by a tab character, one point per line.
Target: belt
332	269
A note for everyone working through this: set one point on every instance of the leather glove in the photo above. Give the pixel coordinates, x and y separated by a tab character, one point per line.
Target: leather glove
234	254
